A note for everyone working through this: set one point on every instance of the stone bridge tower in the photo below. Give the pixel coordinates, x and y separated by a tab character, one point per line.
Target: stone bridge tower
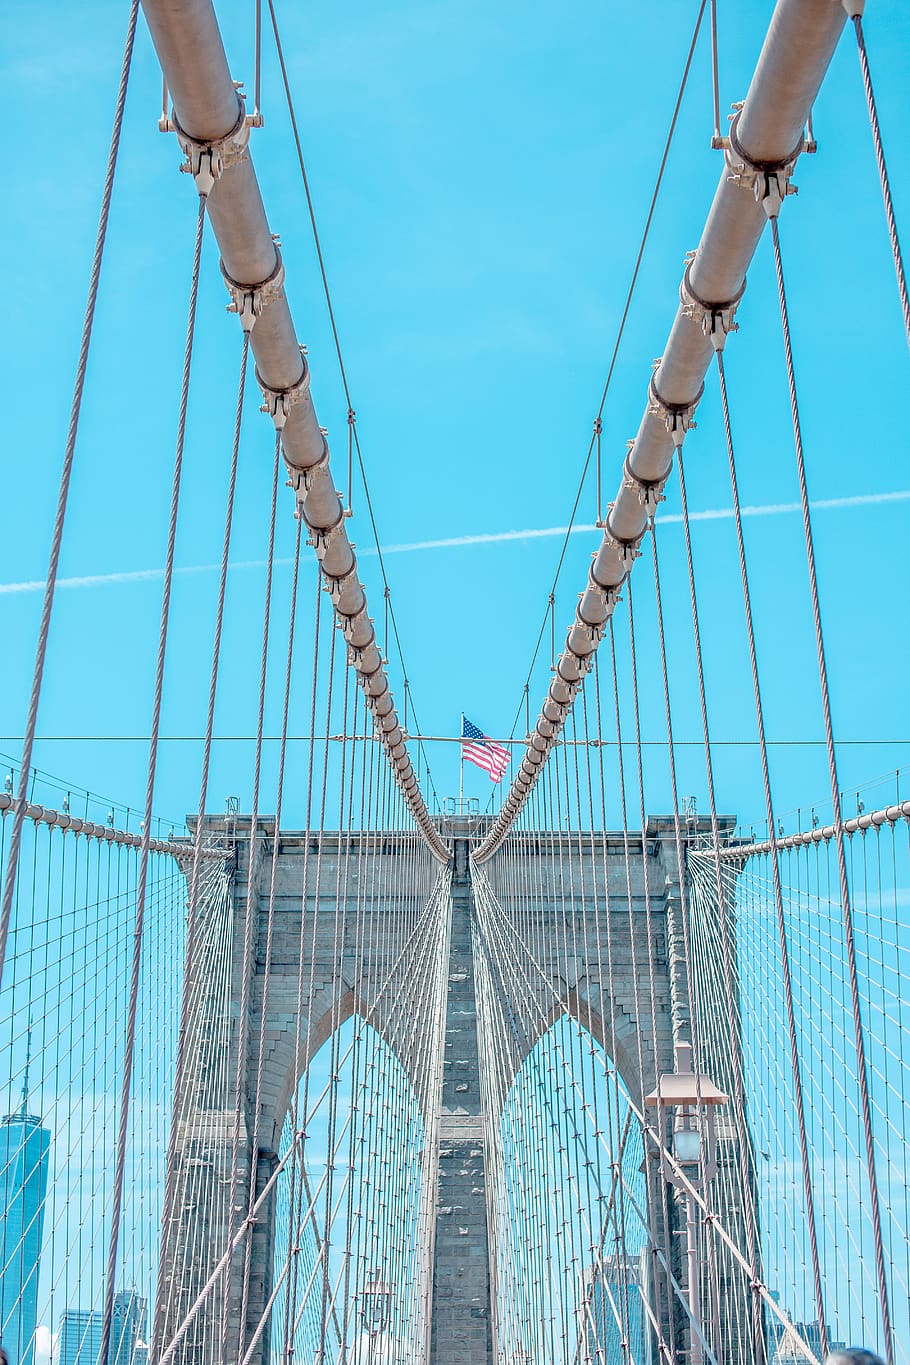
463	1326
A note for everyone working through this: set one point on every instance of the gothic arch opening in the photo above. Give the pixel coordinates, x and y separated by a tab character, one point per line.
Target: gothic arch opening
351	1205
574	1261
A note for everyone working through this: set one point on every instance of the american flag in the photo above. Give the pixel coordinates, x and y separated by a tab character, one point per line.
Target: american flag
476	748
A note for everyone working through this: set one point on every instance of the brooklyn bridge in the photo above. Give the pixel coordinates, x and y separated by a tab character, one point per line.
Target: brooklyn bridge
610	1063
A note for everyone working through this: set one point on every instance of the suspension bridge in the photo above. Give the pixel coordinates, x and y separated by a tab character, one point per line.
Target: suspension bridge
356	1071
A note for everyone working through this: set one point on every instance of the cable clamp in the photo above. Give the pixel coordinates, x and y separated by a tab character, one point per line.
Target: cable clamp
650	495
607	597
594	630
207	161
248	300
627	551
321	539
769	181
714	319
278	402
678	418
303	479
336	585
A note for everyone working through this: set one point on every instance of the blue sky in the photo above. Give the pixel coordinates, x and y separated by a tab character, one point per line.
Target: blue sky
481	176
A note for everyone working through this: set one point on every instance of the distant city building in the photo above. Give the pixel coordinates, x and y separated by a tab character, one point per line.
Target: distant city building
80	1336
24	1148
796	1342
614	1309
81	1331
128	1332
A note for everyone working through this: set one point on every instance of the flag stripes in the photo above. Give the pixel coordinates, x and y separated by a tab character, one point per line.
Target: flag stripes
478	749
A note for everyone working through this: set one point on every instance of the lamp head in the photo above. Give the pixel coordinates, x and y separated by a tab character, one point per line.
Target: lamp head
687	1140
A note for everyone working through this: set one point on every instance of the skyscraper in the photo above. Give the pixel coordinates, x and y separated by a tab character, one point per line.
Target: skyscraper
613	1309
789	1345
24	1148
80	1336
128	1328
81	1333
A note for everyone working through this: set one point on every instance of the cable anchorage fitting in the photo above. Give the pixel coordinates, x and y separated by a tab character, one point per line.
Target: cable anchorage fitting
650	495
715	319
207	161
248	300
769	181
302	480
607	597
678	418
278	402
336	584
626	551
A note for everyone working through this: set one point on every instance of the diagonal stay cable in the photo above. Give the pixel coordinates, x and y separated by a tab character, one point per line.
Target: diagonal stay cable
617	343
425	924
484	890
352	423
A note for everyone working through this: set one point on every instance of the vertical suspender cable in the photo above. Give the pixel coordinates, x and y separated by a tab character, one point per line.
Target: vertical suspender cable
257	62
795	1063
250	926
715	82
180	1061
126	1086
880	162
861	1065
297	1170
671	1306
15	839
739	1099
797	51
266	975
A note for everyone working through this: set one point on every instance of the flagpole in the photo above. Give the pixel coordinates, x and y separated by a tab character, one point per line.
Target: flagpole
461	771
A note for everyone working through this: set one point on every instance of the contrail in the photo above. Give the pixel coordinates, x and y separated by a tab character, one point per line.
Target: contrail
773	509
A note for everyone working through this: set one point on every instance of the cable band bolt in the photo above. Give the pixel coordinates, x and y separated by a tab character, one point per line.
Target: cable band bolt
715	319
769	181
207	161
278	402
248	300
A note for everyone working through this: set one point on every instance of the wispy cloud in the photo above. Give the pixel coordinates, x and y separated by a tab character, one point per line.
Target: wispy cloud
773	509
103	580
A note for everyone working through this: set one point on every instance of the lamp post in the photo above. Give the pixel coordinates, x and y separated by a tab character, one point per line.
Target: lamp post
692	1099
375	1309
